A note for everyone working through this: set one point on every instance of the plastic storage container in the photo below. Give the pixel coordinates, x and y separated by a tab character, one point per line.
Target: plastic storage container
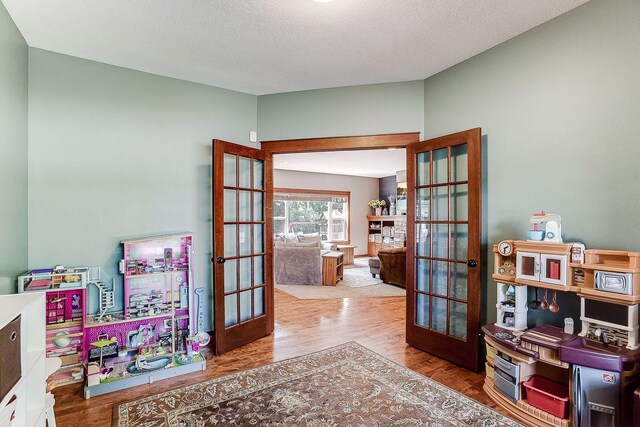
548	396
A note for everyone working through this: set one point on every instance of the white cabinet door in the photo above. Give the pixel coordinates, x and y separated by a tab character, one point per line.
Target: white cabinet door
528	266
553	269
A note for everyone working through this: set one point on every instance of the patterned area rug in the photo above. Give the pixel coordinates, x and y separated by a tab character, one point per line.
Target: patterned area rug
347	385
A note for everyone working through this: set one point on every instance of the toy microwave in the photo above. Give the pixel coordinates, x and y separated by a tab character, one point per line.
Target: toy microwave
619	283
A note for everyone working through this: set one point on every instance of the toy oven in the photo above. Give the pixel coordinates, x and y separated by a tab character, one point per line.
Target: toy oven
620	283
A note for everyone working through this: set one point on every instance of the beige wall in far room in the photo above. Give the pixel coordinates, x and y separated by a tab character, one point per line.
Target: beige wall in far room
362	190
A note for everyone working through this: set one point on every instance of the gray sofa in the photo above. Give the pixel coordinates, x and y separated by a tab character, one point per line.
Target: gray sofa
299	261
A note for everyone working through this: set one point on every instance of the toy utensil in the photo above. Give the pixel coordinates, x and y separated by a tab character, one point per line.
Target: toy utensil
201	335
544	304
554	307
535	304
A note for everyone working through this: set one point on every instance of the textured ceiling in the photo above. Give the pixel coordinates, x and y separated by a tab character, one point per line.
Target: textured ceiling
272	46
367	163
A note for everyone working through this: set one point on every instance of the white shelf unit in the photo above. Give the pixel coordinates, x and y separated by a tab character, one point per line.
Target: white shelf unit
30	389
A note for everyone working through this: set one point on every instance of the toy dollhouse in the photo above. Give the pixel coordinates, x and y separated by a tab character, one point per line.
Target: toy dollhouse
148	335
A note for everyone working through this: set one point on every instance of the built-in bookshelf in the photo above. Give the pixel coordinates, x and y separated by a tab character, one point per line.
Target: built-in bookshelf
386	231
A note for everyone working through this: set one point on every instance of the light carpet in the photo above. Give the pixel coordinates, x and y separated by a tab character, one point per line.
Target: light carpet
357	283
347	385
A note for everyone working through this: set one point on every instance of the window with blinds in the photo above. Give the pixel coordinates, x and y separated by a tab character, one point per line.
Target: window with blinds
312	211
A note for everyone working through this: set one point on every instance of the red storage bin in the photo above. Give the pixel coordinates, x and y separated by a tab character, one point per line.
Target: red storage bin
548	395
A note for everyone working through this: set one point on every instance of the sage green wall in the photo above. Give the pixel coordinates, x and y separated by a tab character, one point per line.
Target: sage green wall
559	108
345	111
116	153
13	153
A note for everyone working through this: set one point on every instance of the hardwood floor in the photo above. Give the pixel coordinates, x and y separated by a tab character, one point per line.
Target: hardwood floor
302	327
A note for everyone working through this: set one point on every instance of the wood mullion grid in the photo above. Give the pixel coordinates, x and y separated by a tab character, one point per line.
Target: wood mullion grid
252	230
448	239
441	296
237	291
440	259
430	237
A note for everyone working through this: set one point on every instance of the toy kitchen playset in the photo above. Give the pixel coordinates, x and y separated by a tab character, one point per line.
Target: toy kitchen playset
549	376
151	336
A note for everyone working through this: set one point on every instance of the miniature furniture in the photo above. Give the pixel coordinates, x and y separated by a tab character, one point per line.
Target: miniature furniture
545	377
22	359
374	266
66	302
543	264
332	268
393	266
511	306
156	324
386	231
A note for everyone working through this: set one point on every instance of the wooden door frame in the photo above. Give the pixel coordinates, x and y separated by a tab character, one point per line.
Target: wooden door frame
340	143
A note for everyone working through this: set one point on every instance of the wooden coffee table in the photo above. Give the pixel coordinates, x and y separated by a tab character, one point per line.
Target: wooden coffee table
332	268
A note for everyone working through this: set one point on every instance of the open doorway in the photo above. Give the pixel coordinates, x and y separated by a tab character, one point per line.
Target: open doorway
325	198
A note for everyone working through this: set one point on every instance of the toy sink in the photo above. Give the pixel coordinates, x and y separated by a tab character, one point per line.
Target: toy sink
593	354
150	366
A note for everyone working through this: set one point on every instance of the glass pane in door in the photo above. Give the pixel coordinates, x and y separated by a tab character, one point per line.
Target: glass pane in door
440	239
230	170
230	247
458	280
245	273
423	245
459	163
258	174
244	172
441	203
423	170
440	273
231	275
459	241
245	306
423	202
442	206
422	310
244	238
258	270
422	274
231	310
258	302
439	314
458	319
229	205
258	206
459	202
440	166
245	206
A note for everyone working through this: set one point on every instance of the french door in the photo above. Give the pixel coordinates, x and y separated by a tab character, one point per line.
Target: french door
242	241
443	251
